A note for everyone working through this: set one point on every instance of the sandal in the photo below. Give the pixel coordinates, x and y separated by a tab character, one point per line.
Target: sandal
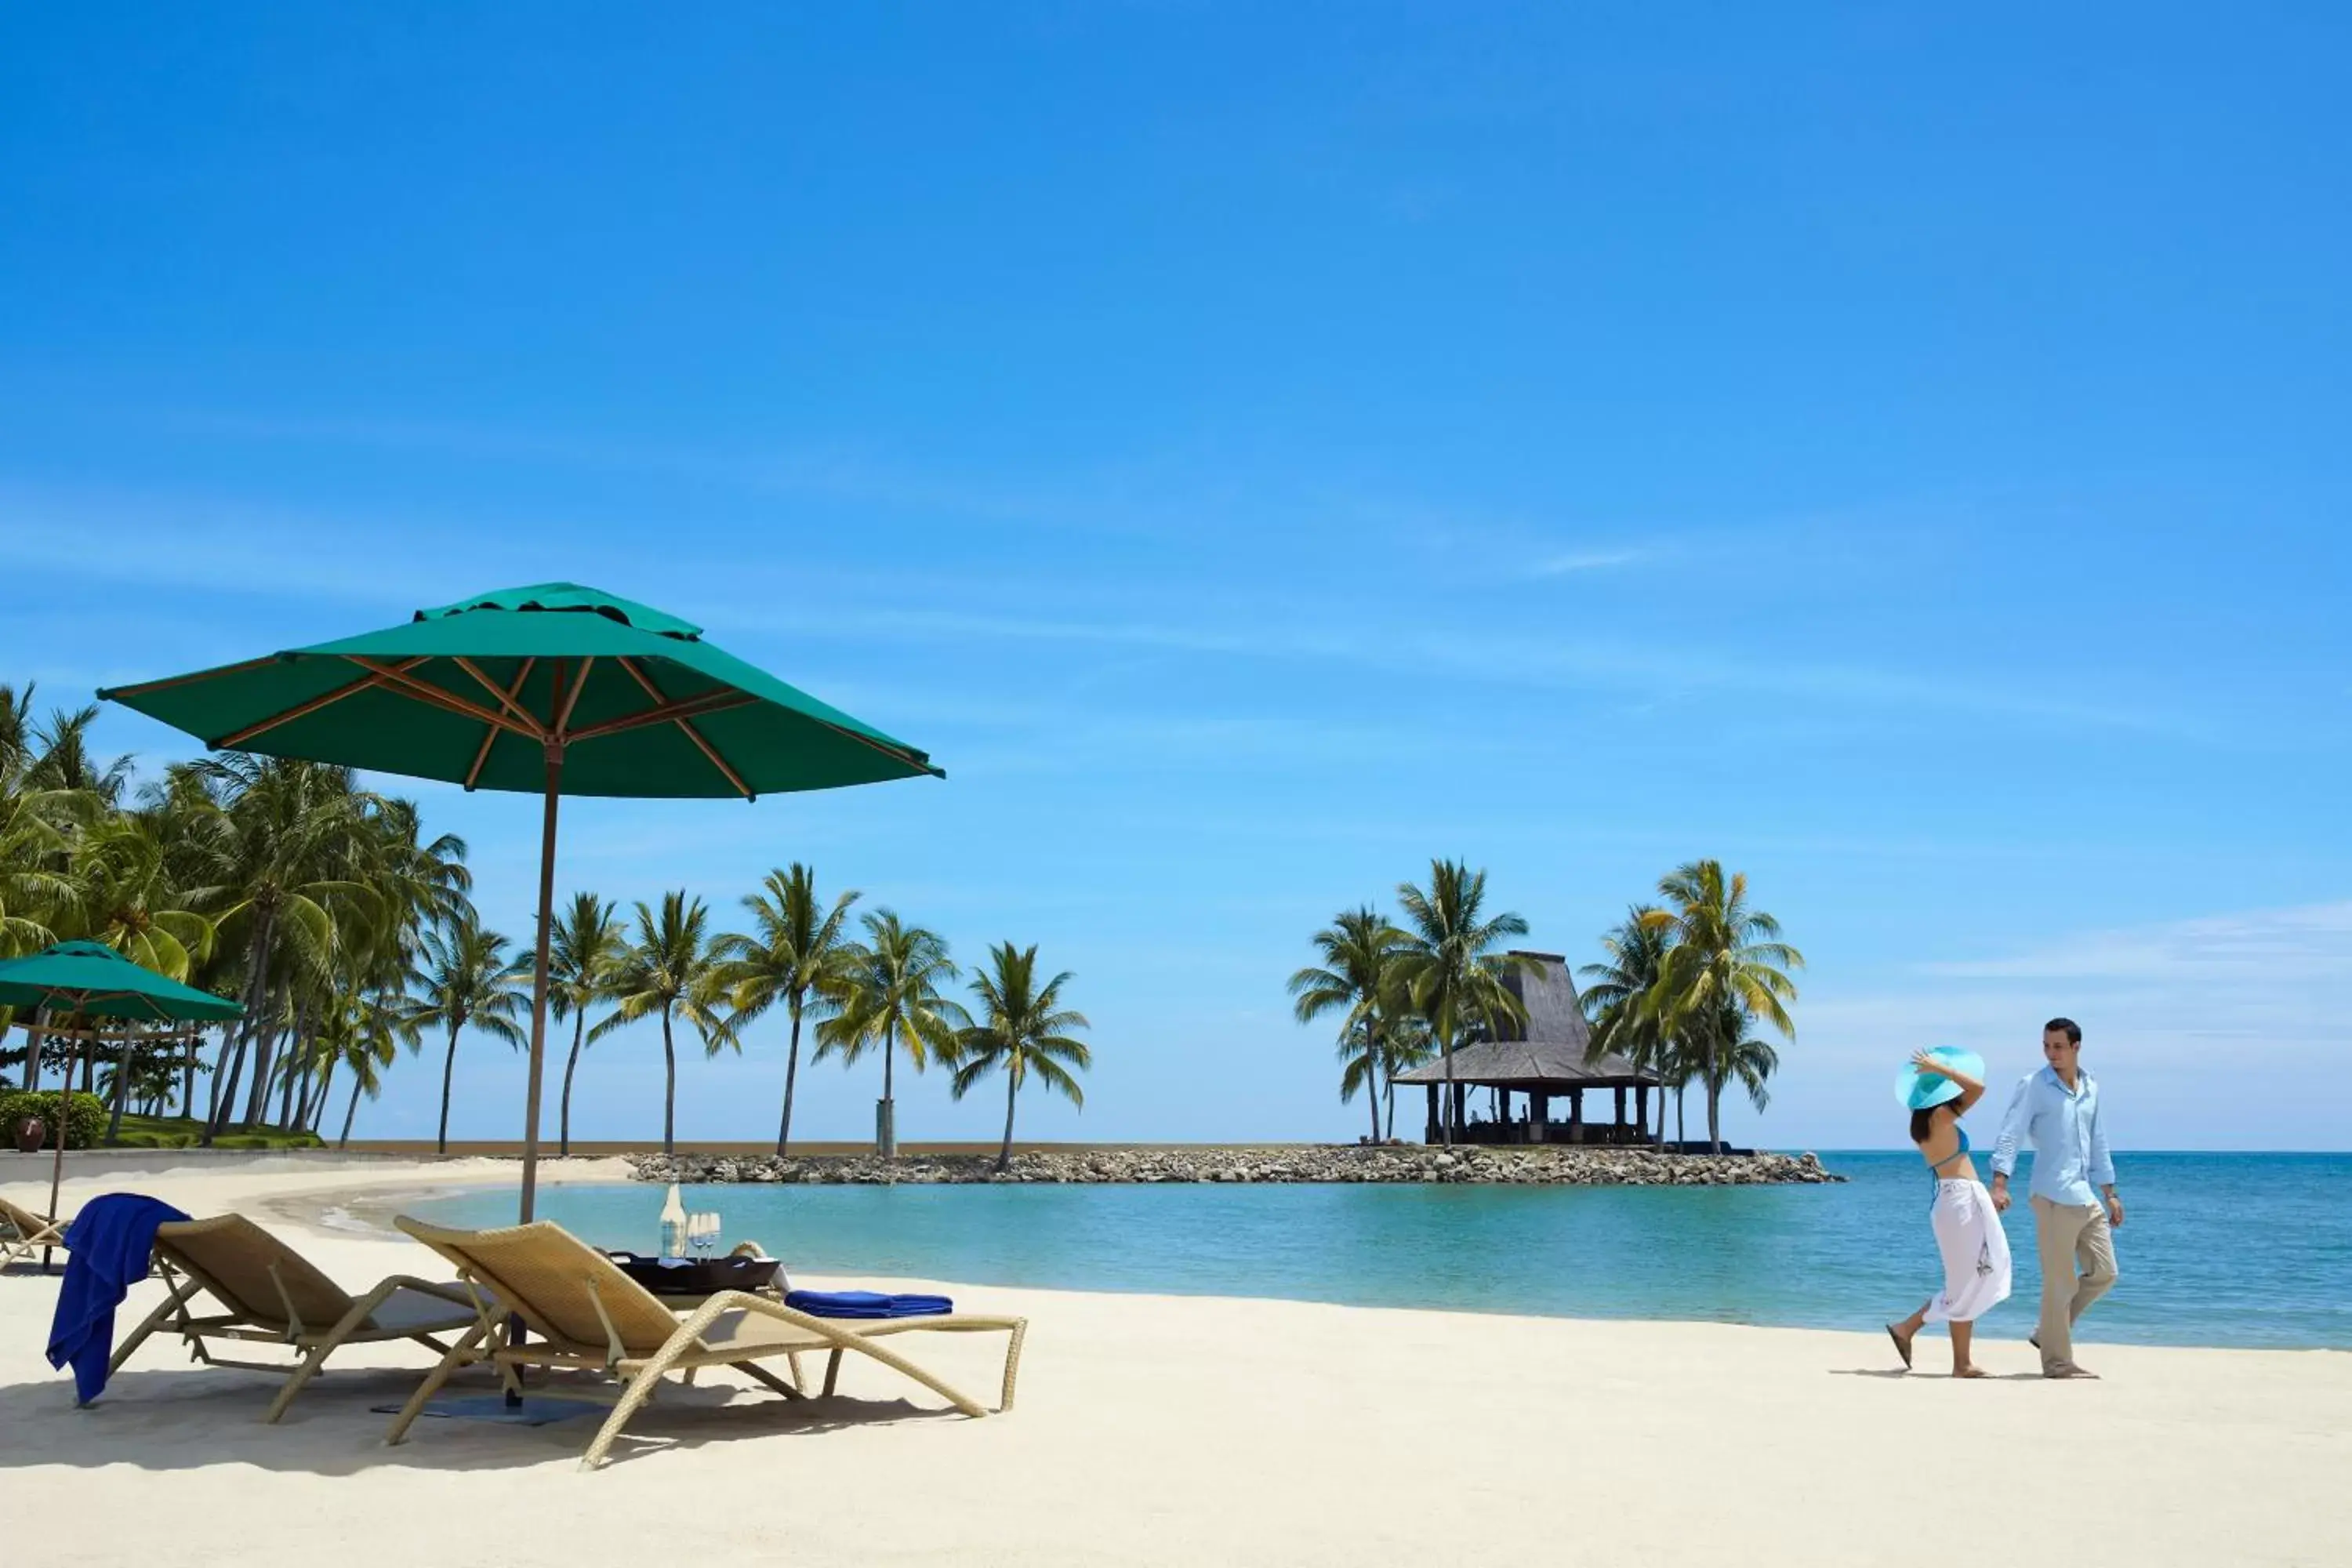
1902	1346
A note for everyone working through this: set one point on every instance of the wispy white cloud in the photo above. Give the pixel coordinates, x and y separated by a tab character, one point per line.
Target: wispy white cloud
2305	946
1576	560
2175	992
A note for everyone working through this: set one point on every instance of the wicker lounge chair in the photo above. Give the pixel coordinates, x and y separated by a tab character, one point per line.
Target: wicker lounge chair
583	1313
275	1294
24	1233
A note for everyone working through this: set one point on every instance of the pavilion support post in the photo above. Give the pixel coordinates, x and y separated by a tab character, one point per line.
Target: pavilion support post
1461	1108
1432	1134
1539	1113
1576	1116
1617	1119
1642	1109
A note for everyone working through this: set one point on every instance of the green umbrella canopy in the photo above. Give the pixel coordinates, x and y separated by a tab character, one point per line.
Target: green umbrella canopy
474	693
554	689
93	980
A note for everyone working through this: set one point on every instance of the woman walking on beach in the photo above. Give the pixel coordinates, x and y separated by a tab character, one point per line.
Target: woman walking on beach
1937	1090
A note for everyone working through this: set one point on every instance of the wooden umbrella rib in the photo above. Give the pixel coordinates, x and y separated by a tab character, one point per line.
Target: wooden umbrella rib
303	710
506	696
490	732
668	713
116	693
428	692
898	752
684	723
572	699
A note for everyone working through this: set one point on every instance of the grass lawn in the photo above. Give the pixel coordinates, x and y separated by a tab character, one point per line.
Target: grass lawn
186	1132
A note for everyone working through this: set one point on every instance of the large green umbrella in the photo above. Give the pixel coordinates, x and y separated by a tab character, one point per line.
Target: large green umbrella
90	980
554	689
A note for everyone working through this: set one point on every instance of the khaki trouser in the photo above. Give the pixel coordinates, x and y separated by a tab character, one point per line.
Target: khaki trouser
2068	1236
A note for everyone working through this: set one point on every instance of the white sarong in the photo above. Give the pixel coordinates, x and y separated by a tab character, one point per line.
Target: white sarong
1975	1249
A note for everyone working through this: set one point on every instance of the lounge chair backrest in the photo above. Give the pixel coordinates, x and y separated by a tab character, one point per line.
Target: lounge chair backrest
556	1283
20	1222
256	1275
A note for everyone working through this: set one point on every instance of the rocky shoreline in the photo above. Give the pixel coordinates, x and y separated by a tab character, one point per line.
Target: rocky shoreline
1572	1167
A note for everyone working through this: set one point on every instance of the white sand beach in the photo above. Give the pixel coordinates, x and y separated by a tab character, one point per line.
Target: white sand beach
1172	1430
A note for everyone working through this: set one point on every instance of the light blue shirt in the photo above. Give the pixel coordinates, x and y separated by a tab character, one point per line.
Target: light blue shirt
2070	1139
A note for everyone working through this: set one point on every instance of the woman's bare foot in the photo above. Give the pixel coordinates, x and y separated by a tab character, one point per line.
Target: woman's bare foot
1969	1371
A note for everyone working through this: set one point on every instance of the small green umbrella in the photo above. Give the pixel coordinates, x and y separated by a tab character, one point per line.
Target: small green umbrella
554	690
93	981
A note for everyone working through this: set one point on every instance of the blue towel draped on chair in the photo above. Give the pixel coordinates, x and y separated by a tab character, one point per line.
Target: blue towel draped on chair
865	1304
108	1247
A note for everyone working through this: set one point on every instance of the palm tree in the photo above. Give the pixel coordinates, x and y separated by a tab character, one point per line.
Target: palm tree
889	996
1454	974
1362	977
64	761
1022	1029
1409	1045
1746	1060
464	975
122	894
1725	960
1617	995
671	970
796	954
583	949
297	831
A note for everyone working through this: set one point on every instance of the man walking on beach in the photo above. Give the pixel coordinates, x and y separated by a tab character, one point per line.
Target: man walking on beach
2074	1224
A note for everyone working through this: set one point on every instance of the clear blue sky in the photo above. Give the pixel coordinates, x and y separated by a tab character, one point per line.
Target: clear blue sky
1901	455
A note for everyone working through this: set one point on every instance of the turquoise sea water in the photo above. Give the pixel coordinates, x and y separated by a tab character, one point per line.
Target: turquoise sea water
2217	1249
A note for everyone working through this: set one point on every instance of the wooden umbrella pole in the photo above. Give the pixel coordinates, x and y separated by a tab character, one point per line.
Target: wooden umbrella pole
58	1160
539	980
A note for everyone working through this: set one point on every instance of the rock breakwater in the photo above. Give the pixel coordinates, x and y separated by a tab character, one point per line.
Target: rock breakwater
1571	1167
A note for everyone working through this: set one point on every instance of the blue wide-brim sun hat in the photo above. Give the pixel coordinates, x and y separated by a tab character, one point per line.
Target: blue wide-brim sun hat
1917	1091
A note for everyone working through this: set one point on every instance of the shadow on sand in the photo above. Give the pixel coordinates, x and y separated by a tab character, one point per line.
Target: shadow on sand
1898	1373
184	1420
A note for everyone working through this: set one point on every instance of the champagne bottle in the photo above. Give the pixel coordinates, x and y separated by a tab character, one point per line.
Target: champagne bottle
673	1225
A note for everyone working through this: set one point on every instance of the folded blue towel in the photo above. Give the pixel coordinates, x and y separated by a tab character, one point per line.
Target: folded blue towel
865	1304
108	1247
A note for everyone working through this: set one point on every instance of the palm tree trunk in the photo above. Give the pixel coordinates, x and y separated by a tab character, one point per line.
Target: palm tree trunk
885	1127
121	1090
33	1037
266	1051
295	1069
1714	1114
226	1070
571	1065
314	1104
351	1110
1373	1077
188	1081
1446	1112
792	1071
669	1091
448	1070
1012	1091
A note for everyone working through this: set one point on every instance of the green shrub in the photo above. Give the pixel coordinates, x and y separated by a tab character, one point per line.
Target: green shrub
85	1116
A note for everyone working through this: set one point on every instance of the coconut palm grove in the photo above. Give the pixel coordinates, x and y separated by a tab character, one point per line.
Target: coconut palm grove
348	933
347	930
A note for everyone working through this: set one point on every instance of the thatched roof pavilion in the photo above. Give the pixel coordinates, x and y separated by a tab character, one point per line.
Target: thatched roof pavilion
1547	1063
